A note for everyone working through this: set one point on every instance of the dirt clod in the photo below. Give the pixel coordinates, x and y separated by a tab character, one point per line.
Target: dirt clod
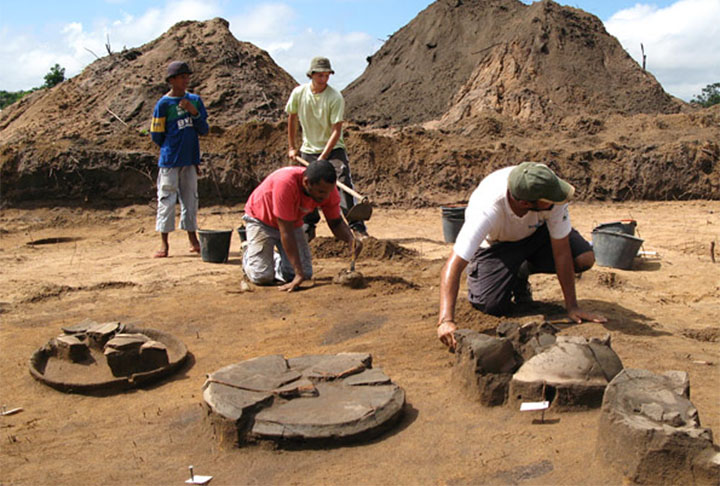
708	335
350	278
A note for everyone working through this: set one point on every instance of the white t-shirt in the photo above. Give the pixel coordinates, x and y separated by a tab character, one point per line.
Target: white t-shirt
489	218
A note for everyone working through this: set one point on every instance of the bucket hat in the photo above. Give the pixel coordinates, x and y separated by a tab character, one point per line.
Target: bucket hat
177	67
533	181
320	65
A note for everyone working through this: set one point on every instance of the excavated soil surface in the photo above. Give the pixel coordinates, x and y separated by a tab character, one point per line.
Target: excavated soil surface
151	435
467	88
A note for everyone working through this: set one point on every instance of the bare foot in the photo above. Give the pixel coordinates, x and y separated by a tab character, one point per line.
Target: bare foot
161	254
194	242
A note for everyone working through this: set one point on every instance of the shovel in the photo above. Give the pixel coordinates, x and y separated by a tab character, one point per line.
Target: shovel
359	212
352	261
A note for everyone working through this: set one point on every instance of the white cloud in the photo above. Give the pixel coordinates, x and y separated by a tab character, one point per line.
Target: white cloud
266	21
682	42
347	53
32	58
273	27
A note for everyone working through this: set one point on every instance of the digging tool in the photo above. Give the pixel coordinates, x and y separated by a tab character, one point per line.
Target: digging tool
352	261
359	212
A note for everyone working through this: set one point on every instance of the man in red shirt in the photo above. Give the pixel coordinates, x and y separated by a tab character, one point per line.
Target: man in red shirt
274	218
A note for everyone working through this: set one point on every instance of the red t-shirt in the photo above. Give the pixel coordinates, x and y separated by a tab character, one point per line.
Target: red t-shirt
281	195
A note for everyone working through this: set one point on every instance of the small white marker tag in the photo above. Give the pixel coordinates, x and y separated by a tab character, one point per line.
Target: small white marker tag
11	411
197	479
530	406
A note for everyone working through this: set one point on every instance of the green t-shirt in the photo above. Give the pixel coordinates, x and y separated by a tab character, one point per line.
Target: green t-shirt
317	113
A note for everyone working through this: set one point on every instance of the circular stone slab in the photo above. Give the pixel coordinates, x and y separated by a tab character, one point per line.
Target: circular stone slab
67	367
313	397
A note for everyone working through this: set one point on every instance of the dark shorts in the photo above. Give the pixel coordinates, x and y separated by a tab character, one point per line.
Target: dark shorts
492	272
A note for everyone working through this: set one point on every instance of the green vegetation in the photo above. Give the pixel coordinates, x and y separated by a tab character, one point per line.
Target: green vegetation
710	96
9	97
55	76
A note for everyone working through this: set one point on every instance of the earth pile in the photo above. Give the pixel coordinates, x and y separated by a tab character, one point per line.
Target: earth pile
460	59
465	88
87	137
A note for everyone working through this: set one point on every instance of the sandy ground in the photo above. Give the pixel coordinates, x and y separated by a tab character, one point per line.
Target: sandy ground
662	316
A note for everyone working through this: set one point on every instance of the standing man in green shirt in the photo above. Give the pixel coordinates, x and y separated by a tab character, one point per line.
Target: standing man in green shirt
320	109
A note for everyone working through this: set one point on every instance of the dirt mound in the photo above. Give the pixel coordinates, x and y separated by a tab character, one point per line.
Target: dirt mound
477	68
708	335
65	143
237	81
373	249
462	60
610	280
50	291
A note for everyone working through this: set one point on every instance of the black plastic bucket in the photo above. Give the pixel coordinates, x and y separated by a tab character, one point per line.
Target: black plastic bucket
242	233
453	218
615	249
626	226
215	245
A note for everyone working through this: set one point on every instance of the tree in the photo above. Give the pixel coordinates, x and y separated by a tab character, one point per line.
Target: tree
7	98
710	96
55	76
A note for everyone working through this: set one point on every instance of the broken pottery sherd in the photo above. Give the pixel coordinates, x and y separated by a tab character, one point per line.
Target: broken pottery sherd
328	398
650	430
572	373
484	366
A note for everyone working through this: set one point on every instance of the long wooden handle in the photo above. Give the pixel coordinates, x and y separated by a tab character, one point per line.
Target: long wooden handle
352	260
342	186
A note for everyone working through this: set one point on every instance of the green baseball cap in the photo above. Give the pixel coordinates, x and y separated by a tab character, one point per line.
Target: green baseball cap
533	181
320	65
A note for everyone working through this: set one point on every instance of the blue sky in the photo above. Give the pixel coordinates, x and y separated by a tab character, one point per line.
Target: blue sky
681	37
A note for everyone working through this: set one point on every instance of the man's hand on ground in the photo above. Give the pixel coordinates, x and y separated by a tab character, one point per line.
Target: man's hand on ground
445	333
578	315
289	287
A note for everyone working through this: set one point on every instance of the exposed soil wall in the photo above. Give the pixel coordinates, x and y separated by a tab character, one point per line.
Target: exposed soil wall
474	85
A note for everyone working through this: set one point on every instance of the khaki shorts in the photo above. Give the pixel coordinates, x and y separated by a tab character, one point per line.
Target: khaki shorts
173	184
262	264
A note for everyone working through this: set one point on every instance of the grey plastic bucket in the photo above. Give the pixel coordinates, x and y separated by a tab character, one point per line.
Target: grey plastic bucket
626	226
615	249
215	245
453	218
